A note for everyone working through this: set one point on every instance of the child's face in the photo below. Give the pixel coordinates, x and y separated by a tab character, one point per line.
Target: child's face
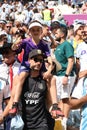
36	31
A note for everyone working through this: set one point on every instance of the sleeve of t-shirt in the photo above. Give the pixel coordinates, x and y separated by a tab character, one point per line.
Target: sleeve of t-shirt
22	46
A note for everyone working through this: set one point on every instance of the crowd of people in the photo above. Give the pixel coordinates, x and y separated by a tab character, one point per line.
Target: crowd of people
43	65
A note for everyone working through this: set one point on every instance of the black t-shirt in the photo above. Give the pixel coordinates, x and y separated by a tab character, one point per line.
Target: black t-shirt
33	103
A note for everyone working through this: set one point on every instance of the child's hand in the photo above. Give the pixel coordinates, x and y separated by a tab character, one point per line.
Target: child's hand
46	75
16	43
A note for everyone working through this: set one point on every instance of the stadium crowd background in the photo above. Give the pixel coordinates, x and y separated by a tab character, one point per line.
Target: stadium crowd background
15	17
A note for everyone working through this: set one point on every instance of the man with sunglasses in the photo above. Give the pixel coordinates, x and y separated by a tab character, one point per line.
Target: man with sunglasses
34	97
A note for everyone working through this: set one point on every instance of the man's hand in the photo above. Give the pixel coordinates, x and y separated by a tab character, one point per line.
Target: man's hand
1	119
56	111
82	74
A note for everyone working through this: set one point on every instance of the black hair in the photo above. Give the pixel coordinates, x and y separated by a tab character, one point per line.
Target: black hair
54	25
64	30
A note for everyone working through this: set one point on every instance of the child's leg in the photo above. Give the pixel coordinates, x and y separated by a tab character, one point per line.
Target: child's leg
17	89
18	84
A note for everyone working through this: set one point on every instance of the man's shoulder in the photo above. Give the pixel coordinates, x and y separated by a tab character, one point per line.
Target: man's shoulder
81	45
16	63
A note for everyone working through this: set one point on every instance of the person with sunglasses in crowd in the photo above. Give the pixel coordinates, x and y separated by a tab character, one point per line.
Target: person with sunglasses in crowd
34	96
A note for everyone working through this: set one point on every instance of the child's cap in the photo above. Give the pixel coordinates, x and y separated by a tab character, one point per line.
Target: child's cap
35	24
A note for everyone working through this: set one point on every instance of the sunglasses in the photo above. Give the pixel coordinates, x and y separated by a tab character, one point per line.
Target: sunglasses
84	32
38	60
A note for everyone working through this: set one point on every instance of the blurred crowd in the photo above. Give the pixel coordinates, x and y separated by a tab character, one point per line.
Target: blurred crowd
40	25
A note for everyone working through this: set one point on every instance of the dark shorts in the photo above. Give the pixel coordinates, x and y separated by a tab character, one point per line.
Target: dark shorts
7	123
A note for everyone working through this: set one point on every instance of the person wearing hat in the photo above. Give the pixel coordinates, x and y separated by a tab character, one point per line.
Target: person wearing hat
35	97
2	24
78	28
9	63
35	29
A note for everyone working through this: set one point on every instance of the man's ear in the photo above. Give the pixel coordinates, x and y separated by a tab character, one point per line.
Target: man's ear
62	35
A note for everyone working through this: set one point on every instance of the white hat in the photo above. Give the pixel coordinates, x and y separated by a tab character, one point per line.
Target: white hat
3	33
34	24
77	26
3	21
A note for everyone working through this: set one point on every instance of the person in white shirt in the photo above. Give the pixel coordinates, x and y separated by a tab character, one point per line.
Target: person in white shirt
9	60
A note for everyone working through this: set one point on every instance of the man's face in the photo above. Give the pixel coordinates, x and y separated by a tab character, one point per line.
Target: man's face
58	35
36	62
84	34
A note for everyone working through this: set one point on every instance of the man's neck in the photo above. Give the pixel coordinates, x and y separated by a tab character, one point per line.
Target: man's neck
62	40
34	73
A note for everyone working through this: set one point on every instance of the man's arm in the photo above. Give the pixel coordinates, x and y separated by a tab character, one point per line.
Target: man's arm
70	65
52	100
5	112
68	70
77	66
47	74
77	103
82	73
